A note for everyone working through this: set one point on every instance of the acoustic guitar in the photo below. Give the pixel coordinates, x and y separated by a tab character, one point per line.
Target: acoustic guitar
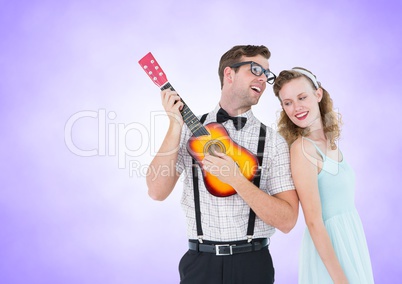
210	138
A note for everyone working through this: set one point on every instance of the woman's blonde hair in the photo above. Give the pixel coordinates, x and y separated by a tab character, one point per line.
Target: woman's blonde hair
330	119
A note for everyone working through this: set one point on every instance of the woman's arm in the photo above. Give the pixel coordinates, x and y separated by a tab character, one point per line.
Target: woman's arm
304	166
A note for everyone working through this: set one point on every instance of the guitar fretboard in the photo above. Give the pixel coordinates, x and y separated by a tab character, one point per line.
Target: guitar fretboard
189	118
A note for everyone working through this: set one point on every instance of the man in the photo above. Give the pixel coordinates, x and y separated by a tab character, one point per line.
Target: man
227	244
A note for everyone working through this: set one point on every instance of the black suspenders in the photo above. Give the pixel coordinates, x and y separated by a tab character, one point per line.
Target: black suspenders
257	178
197	194
256	181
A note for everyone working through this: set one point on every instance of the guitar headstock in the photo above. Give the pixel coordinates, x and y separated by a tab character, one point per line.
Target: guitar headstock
153	70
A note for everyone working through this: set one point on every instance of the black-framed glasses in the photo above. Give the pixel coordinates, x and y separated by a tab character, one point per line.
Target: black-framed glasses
257	70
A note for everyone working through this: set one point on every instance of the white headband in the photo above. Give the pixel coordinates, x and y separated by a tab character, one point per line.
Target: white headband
309	75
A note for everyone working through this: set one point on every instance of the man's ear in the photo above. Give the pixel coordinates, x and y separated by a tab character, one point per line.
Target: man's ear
228	74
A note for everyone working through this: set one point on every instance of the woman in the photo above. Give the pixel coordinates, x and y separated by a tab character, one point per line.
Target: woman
334	248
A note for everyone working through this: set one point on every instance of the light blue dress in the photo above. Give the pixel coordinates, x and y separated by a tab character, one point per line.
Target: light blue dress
336	183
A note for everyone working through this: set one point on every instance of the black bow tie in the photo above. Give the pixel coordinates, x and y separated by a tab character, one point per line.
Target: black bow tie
223	116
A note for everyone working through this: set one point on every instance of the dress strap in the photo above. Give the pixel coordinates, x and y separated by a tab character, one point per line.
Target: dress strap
329	165
316	147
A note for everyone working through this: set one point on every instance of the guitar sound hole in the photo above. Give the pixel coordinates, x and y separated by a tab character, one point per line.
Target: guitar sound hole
213	147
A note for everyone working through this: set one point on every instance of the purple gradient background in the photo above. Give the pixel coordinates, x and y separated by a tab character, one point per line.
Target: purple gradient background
66	218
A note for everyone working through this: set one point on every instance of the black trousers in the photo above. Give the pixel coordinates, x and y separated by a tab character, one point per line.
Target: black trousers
244	268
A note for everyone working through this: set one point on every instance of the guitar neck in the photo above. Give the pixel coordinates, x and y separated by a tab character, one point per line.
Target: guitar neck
189	118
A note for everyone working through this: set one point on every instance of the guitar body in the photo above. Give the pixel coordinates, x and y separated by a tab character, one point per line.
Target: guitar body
218	140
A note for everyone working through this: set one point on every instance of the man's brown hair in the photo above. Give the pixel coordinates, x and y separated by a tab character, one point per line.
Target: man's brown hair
234	55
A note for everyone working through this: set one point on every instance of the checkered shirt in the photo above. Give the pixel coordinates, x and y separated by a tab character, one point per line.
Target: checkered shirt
226	218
